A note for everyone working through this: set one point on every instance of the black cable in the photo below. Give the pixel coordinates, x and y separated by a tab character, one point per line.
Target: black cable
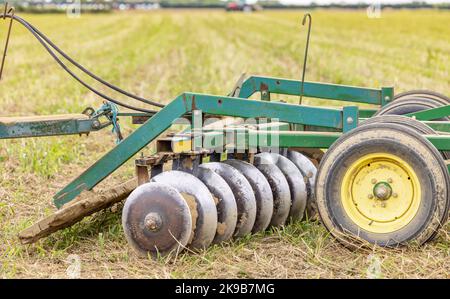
124	92
37	36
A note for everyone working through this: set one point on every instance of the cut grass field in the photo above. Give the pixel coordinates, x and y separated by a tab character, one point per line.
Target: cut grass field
161	54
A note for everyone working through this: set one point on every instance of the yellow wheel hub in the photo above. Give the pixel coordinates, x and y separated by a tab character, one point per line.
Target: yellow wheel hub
380	193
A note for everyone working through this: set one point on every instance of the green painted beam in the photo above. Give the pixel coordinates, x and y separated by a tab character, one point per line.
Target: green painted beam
283	112
40	126
441	142
285	139
367	112
430	114
308	139
313	89
440	126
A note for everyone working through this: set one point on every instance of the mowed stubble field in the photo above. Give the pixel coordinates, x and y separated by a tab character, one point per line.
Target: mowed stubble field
161	54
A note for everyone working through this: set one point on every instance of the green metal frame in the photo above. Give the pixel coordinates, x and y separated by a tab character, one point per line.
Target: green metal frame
339	119
209	104
316	90
23	128
330	123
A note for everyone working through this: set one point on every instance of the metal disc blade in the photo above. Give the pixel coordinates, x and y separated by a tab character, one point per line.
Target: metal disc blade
225	203
243	192
280	191
262	191
172	228
297	185
201	204
309	171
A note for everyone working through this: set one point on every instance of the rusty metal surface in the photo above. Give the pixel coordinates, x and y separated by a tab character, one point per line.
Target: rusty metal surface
243	192
262	191
187	163
201	204
170	234
142	174
225	203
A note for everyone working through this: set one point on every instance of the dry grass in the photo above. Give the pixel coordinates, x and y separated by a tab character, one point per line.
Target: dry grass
162	54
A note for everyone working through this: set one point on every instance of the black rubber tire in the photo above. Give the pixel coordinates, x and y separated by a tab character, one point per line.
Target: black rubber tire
403	142
416	125
407	105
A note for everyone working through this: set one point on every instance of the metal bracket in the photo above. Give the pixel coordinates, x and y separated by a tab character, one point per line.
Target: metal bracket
306	16
349	118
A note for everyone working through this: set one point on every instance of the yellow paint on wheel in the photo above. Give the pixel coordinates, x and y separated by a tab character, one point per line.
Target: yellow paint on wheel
380	193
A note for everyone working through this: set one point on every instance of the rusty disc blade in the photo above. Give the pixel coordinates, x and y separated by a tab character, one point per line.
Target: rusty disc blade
309	171
225	203
262	191
200	202
243	192
297	185
280	191
156	220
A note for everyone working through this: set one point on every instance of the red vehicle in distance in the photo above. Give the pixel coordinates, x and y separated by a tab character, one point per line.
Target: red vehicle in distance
242	6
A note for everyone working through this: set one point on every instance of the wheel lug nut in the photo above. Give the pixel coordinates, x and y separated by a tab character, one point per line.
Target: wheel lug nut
383	205
389	180
394	194
370	196
374	181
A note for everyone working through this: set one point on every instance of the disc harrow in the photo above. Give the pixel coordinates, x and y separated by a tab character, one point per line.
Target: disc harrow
214	202
243	165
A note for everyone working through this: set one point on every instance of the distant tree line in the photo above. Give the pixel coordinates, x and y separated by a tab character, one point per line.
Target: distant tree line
41	6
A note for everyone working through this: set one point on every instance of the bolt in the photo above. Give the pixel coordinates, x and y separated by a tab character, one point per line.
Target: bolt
153	222
96	124
349	120
370	196
383	205
394	194
389	180
374	181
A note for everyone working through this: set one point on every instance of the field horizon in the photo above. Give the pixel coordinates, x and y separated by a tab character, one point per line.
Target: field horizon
160	54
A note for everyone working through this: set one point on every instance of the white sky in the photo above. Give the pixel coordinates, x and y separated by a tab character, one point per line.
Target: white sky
357	1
